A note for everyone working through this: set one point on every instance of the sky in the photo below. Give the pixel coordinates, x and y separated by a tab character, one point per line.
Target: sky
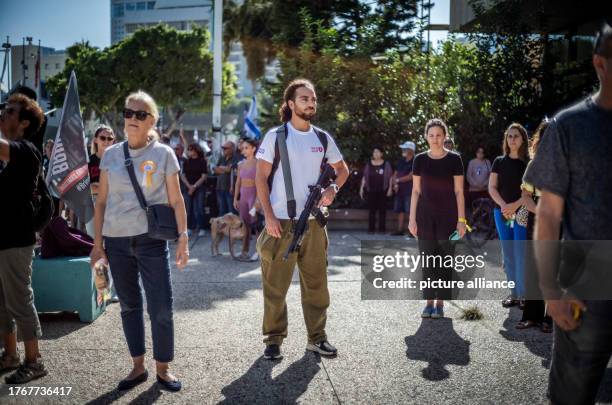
60	23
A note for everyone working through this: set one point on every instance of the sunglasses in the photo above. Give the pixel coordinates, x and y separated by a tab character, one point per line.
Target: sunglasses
106	138
140	114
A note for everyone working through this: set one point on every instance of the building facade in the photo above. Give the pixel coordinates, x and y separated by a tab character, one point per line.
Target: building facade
23	66
128	15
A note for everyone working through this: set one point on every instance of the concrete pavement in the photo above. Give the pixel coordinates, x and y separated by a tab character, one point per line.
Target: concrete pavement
387	354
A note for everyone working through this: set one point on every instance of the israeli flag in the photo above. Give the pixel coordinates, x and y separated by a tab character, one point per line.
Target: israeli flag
250	121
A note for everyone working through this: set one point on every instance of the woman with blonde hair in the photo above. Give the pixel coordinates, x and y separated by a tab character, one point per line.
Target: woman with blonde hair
122	238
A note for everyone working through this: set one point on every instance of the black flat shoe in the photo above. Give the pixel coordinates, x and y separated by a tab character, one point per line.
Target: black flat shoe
126	384
173	386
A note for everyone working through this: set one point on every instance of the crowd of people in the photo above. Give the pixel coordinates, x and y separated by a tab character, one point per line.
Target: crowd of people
543	189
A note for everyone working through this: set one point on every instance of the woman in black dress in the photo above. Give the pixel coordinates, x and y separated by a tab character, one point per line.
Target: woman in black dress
437	209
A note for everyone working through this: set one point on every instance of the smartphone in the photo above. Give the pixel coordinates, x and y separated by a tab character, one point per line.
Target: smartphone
454	236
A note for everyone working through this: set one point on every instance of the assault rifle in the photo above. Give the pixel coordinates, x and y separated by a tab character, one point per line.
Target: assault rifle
311	208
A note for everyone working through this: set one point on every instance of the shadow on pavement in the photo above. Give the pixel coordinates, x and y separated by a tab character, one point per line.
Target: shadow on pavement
437	343
535	341
107	398
258	386
58	324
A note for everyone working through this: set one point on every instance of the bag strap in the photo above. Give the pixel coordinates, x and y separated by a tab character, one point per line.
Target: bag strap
288	180
129	165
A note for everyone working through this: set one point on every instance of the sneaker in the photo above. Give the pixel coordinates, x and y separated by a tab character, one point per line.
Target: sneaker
324	348
437	313
254	257
27	372
510	301
8	363
427	311
272	352
202	232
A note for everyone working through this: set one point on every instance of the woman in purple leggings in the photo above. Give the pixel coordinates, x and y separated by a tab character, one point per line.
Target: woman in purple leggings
245	195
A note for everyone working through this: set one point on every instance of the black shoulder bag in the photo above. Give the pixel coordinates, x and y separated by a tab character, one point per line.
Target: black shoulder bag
160	217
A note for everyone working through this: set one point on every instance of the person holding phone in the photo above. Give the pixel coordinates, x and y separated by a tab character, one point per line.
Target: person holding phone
437	208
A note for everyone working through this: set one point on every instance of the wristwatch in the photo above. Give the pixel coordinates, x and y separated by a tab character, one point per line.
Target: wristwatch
335	187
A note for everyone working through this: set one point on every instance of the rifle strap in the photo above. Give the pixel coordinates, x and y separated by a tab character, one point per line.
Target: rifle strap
281	138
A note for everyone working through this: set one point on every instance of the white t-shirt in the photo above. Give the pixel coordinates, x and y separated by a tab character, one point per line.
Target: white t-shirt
305	156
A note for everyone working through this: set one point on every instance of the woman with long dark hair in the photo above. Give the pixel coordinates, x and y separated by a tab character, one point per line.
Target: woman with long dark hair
437	209
245	195
510	219
103	138
376	182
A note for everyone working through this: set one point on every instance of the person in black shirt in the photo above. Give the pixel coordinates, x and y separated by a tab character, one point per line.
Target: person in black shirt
572	169
21	118
510	215
437	209
376	182
103	138
402	185
193	177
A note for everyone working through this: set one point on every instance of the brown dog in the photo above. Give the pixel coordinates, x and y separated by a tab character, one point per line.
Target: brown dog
229	225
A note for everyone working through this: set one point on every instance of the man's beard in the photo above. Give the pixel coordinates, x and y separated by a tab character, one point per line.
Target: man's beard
306	116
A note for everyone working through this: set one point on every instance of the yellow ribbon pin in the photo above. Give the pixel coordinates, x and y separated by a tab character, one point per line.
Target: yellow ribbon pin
148	167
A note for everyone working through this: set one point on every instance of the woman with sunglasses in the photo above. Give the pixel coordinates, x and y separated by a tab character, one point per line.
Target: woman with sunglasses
505	189
245	195
121	237
103	138
193	177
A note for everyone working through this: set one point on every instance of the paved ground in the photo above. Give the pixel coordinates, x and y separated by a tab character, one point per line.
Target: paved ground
388	355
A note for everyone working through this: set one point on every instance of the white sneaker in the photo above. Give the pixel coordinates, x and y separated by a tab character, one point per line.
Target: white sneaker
202	232
254	257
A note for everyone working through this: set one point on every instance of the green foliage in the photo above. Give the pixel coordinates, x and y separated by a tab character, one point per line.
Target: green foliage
478	87
269	27
174	67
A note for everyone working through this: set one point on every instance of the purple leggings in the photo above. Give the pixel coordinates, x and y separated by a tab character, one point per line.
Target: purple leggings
247	200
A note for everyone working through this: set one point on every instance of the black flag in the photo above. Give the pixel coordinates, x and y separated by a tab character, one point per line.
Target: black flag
68	174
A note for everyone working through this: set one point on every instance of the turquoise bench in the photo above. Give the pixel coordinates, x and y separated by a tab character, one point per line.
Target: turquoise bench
65	284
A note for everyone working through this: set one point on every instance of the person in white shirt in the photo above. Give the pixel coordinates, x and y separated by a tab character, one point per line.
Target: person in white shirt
307	147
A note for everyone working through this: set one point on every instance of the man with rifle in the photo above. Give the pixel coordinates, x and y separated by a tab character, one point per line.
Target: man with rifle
292	171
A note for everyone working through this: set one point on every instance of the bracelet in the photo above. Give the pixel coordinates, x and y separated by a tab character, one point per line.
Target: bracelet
183	233
463	220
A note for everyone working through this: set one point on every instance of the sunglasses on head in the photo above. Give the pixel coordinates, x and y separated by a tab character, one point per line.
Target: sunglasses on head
106	138
140	114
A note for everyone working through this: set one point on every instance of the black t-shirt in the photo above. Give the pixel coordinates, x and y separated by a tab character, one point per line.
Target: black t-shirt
193	169
94	169
404	168
574	161
437	182
377	178
18	182
509	177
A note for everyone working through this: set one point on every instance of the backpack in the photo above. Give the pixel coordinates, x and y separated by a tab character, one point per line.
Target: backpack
282	130
42	204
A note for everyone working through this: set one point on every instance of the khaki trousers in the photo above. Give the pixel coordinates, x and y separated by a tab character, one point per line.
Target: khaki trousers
276	279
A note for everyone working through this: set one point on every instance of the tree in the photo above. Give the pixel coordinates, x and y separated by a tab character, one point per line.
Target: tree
269	27
174	67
